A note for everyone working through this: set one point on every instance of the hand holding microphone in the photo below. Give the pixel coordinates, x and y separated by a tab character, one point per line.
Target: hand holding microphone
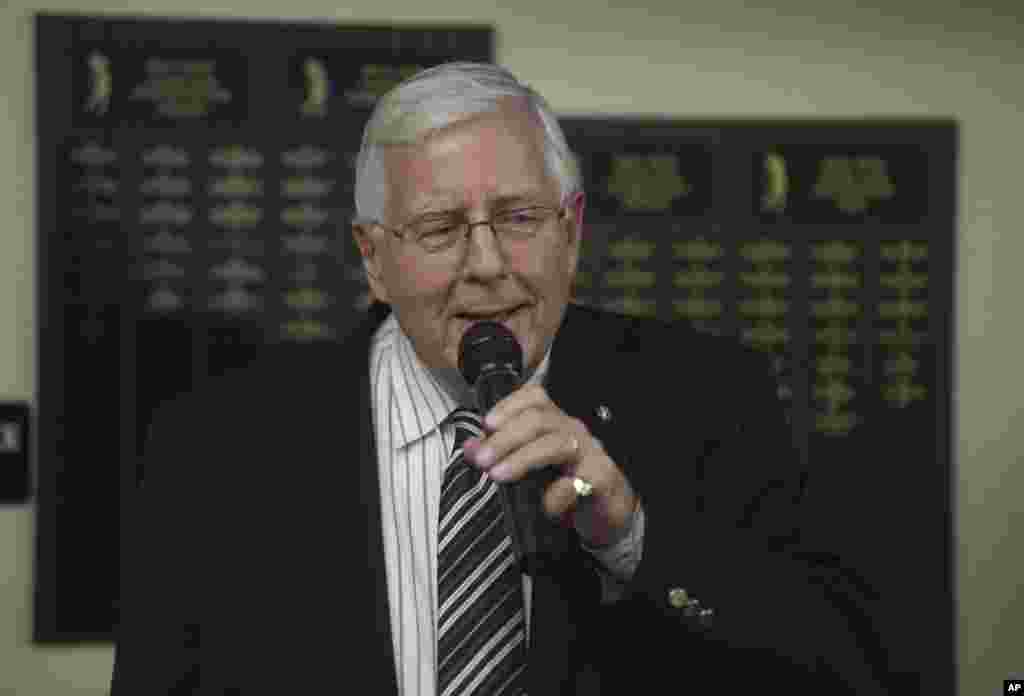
531	442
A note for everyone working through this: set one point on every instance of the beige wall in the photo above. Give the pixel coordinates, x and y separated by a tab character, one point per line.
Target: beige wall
802	58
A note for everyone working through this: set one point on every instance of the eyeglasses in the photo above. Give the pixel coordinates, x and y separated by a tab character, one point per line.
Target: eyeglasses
437	232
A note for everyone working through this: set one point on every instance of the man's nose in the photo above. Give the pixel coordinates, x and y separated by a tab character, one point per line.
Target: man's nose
484	255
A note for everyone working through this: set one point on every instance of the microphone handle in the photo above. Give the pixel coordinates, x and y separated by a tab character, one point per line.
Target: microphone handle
520	500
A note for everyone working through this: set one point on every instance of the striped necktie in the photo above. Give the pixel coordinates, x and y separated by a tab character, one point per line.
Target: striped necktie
481	620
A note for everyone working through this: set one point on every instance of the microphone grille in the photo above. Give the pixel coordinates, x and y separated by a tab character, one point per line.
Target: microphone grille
488	345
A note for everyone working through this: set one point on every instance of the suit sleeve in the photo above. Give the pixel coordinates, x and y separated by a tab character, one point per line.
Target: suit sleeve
723	527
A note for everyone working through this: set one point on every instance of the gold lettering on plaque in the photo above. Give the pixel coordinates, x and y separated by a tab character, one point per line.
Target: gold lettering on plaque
102	84
318	88
377	79
166	156
854	183
698	278
306	299
630	252
167	186
165	213
763	313
905	302
647	182
305	329
236	157
305	157
93	155
306	187
236	186
236	215
833	315
181	88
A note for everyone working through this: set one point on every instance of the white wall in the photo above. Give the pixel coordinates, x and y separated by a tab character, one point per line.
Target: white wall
801	58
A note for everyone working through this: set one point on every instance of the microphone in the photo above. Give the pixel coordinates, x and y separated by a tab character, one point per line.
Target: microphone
491	362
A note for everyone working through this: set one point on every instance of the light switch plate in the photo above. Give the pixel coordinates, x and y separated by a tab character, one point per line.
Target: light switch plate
15	442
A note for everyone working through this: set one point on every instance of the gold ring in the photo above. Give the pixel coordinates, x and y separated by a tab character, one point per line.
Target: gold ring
583	487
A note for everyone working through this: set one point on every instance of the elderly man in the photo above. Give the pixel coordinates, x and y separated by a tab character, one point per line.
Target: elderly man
327	520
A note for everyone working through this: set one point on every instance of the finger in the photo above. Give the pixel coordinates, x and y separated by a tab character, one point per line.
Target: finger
554	449
526	397
560	500
528	425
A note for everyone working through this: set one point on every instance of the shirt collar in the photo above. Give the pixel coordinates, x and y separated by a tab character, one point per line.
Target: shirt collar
433	394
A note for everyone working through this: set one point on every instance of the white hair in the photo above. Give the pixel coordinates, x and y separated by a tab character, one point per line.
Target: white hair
441	96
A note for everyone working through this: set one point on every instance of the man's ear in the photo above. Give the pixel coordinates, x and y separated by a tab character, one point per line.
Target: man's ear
369	249
575	215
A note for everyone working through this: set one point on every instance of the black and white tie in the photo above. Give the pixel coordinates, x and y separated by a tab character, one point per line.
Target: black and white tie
481	619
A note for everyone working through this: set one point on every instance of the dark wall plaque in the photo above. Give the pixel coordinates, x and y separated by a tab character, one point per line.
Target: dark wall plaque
195	186
828	246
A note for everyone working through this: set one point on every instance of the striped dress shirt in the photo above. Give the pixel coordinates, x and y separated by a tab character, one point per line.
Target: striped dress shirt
409	402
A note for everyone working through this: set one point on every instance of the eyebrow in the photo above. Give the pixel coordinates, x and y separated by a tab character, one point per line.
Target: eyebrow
436	208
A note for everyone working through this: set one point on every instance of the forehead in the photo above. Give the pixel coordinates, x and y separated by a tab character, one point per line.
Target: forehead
492	156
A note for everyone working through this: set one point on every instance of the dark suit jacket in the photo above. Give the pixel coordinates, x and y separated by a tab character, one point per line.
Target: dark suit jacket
254	564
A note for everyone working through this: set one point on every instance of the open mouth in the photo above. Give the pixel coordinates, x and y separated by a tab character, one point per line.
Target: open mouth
501	317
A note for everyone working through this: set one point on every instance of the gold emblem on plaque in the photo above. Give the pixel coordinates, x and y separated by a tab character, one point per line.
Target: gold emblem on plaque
102	84
647	182
318	88
854	183
776	183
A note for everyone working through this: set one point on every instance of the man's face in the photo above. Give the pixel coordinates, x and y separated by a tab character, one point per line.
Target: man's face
489	163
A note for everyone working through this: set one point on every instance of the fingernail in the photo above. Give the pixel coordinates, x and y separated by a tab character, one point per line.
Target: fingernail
498	473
